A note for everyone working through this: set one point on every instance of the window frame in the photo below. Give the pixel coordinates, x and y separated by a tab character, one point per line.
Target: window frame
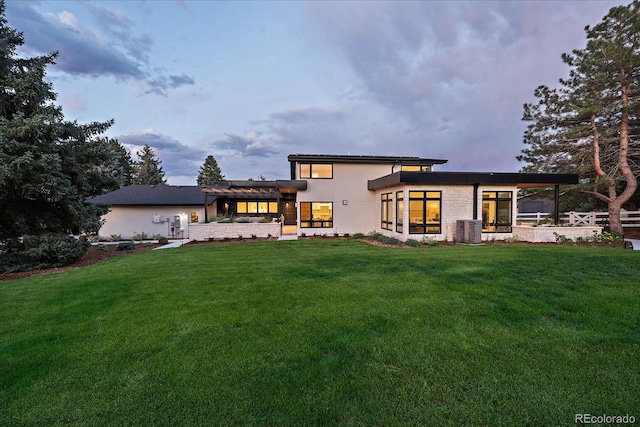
310	222
386	211
426	226
416	168
497	227
399	214
310	175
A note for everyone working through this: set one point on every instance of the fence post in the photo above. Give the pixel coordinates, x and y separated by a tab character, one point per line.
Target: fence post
571	217
592	222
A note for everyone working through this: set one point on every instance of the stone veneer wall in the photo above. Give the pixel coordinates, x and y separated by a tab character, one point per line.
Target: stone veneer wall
528	233
233	230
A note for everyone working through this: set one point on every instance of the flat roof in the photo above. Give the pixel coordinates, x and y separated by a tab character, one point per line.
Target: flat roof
522	180
363	159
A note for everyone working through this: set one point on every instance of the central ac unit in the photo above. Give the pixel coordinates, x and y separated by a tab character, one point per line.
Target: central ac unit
469	231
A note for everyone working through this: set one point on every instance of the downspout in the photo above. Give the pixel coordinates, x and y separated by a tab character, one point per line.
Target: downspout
475	200
556	204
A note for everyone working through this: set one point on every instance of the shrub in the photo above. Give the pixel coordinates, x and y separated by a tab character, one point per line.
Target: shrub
102	247
43	251
163	240
358	236
412	242
115	237
140	236
157	237
265	220
125	246
374	235
430	241
253	236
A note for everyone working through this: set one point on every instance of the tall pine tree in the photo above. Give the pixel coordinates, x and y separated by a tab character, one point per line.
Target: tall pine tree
210	173
590	125
124	164
148	168
48	166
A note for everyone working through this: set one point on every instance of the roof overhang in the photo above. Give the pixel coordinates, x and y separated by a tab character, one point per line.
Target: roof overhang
521	180
329	158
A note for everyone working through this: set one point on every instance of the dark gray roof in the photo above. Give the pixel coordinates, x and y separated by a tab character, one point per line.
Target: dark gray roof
152	195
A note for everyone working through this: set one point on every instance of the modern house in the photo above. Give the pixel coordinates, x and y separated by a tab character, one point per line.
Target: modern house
401	197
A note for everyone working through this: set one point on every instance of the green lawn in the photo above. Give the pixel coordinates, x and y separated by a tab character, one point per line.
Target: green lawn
325	332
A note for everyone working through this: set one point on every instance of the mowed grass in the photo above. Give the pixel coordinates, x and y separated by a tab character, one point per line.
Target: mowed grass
325	332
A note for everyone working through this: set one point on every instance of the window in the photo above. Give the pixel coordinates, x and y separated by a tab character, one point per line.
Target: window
496	211
399	211
256	207
424	212
316	214
415	168
316	170
386	207
194	217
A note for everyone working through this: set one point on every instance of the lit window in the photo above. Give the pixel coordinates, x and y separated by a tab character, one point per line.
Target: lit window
496	211
316	214
386	209
415	168
194	217
424	212
316	170
256	207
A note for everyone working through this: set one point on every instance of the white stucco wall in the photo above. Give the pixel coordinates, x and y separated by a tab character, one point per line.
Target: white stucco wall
354	206
127	221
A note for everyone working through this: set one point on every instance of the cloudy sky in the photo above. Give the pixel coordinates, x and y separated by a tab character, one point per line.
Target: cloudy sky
251	82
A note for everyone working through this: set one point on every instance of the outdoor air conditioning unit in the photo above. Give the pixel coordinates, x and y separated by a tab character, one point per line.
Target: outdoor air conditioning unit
469	231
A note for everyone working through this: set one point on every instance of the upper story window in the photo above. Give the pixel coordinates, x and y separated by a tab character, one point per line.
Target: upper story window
316	170
416	168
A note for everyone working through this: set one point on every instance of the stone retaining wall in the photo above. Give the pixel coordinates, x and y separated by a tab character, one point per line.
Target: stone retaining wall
218	231
527	233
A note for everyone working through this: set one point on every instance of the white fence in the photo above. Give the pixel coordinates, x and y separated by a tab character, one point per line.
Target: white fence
628	218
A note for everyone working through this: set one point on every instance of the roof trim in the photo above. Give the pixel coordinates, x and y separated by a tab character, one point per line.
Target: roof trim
363	159
461	178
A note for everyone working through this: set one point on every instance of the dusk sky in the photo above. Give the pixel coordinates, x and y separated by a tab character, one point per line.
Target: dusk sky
251	82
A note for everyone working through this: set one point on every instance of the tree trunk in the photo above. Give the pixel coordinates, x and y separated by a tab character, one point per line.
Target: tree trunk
615	225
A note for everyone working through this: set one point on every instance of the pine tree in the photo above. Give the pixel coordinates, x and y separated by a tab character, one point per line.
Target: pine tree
124	164
590	125
210	173
148	169
48	166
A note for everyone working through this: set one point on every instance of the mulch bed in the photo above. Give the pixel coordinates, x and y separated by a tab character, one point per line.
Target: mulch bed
93	256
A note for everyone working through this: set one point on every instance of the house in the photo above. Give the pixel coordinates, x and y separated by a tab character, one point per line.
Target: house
401	197
405	197
152	209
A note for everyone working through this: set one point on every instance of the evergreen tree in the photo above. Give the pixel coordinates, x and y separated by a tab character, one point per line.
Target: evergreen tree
48	166
210	173
148	169
124	164
590	125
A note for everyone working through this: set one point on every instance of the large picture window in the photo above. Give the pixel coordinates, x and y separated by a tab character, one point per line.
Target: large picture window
496	211
316	170
399	211
316	214
424	212
256	207
386	211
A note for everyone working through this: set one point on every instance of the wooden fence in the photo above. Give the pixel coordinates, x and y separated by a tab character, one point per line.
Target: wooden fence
628	218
